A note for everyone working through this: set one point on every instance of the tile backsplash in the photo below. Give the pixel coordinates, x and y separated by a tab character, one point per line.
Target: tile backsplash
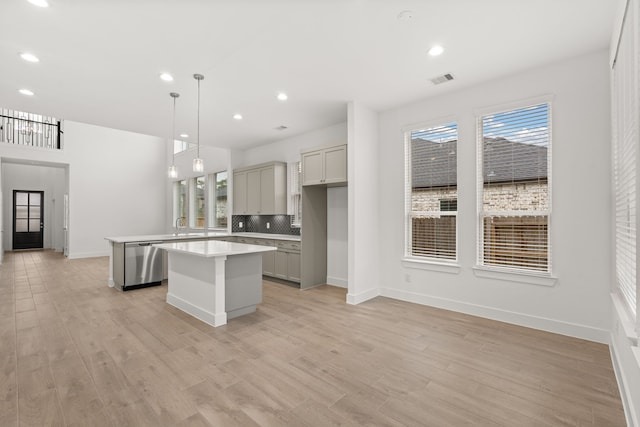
278	224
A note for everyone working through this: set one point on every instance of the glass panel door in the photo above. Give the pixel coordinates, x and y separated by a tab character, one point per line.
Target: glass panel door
28	219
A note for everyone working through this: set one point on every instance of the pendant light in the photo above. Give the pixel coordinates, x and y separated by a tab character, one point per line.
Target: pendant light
173	171
198	165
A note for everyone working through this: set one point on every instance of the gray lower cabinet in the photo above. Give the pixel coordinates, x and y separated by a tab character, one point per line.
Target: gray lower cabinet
282	264
282	267
293	266
269	263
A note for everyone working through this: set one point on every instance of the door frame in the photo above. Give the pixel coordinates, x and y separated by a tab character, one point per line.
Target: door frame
40	240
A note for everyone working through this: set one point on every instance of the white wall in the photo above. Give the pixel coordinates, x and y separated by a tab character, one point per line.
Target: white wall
364	197
288	150
49	179
116	183
578	303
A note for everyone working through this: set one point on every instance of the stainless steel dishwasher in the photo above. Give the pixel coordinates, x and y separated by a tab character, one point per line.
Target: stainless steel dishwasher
142	265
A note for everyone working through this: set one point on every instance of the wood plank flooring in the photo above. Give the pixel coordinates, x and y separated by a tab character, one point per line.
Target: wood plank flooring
74	352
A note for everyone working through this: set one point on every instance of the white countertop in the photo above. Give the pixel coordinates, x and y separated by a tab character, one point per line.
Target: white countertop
187	236
213	248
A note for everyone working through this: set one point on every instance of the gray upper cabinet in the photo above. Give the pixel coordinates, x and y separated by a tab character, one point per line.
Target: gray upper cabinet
240	193
260	190
325	166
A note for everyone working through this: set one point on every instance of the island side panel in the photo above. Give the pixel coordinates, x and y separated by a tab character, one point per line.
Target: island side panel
192	286
244	284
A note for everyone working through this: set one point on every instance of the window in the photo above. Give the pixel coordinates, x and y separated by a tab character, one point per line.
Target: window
218	200
514	186
626	154
197	202
295	206
431	192
180	146
180	202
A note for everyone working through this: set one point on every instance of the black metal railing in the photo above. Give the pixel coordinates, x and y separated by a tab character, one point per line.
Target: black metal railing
31	130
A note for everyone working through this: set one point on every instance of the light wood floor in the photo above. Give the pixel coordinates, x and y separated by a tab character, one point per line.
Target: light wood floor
75	352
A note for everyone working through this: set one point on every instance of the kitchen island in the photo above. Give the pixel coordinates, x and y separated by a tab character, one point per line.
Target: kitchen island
214	281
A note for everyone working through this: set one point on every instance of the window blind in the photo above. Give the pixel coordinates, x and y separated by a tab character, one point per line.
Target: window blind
295	207
625	156
514	189
432	192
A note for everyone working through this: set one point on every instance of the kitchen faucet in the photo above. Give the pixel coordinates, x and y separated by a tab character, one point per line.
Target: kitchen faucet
179	223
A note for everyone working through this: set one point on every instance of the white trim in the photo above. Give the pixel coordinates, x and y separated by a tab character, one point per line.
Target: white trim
625	357
355	299
540	323
197	312
431	265
620	309
337	281
514	105
88	254
521	276
430	123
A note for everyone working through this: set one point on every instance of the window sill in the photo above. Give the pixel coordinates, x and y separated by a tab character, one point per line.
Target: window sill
422	264
541	279
626	322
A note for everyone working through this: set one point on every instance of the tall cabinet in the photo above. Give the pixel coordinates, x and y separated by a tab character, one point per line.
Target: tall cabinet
321	168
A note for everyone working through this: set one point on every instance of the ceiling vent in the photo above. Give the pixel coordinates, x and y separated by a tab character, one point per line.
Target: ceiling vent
281	127
442	79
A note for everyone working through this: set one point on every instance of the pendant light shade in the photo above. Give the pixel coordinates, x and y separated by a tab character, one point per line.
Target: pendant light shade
198	164
173	171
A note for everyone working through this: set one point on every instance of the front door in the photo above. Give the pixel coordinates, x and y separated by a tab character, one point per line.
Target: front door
28	219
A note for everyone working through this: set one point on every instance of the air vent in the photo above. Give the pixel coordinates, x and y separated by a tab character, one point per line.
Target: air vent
442	79
281	127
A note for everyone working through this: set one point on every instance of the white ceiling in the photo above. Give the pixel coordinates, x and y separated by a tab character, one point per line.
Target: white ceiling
100	60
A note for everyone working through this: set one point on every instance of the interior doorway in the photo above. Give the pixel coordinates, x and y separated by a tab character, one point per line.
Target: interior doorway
28	219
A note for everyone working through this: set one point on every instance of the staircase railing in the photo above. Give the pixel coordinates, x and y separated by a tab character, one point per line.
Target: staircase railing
28	129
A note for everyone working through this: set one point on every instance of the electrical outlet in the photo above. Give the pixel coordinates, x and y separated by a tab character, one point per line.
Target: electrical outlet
268	226
407	278
240	224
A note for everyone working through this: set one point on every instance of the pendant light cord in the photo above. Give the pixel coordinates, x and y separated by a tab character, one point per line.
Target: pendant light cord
198	149
173	132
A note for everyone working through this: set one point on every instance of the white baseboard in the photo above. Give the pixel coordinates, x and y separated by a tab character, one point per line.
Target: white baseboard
197	312
337	281
88	254
355	299
541	323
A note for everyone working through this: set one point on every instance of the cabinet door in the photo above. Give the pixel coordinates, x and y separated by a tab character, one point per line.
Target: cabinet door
312	168
253	191
293	266
281	264
240	193
335	164
267	191
268	263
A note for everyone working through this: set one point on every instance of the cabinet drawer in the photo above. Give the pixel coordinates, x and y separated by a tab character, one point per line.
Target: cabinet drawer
288	245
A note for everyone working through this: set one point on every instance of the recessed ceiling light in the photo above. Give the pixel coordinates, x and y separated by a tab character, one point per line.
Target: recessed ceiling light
237	116
166	77
39	3
436	50
184	135
29	57
282	96
26	92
